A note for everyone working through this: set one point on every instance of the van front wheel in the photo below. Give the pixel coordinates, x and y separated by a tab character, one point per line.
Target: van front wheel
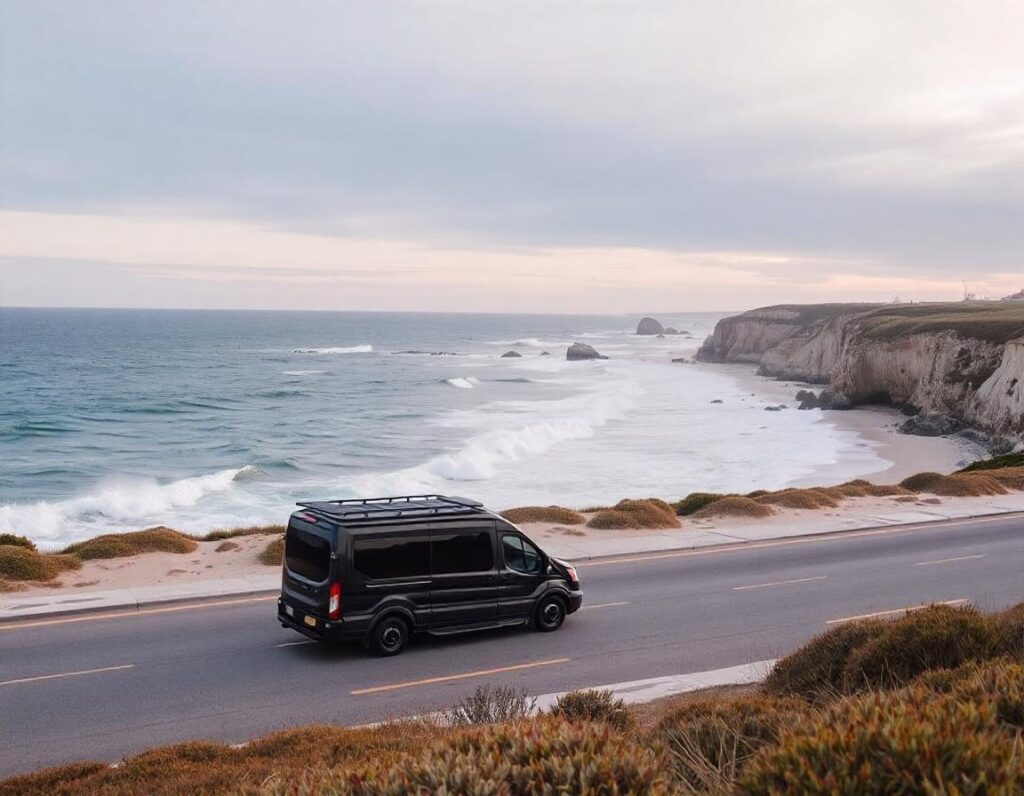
550	614
389	636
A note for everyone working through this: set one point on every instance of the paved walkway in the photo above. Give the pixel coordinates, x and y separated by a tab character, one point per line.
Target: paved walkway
63	602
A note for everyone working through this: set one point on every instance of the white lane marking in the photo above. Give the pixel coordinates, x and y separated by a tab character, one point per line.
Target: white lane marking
906	610
948	560
778	583
294	643
601	605
67	674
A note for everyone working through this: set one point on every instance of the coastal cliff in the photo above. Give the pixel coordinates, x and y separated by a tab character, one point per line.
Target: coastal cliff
964	360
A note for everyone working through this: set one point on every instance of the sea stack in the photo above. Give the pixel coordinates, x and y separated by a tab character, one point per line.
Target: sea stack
650	326
580	351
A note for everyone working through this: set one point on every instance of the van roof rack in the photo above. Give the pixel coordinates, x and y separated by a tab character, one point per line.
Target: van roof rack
392	508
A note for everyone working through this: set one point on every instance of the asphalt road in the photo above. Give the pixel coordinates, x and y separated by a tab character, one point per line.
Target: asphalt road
101	688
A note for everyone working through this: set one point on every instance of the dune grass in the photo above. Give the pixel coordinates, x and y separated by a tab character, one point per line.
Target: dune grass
555	514
808	499
650	513
695	501
956	485
231	533
735	506
273	554
120	545
18	563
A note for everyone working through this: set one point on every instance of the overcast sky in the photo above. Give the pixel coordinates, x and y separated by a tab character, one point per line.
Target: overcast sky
509	156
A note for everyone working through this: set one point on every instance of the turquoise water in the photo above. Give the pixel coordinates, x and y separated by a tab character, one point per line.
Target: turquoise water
117	419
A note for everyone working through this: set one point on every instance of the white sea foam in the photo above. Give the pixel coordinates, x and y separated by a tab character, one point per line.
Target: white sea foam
302	372
482	456
463	382
124	503
527	342
354	349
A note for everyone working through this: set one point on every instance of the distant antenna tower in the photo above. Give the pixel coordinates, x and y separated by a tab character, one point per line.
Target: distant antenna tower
968	296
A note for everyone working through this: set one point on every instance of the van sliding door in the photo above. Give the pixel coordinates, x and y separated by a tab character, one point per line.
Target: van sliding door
464	589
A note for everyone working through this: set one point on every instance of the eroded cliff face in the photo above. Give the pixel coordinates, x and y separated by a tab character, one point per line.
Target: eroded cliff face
977	378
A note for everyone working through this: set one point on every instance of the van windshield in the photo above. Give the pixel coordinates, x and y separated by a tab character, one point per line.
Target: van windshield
307	554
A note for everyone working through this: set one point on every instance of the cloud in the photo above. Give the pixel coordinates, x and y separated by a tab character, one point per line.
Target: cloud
862	134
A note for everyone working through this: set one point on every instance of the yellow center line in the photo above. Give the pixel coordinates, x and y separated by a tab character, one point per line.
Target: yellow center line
907	610
824	536
465	675
778	583
66	674
18	624
948	560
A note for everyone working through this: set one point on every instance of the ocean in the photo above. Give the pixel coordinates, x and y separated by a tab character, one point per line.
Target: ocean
123	419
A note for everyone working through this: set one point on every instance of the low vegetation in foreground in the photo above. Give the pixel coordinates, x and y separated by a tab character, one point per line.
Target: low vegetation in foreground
930	703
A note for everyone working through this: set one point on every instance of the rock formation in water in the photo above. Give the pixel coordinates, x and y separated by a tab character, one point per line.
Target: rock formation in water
579	351
959	360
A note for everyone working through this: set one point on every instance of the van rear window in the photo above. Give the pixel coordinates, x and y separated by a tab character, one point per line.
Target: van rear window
307	554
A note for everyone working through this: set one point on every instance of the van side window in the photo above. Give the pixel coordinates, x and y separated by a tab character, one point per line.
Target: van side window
520	555
462	552
397	557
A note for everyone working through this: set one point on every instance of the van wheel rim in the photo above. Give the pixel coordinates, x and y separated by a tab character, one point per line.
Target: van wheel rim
391	637
551	613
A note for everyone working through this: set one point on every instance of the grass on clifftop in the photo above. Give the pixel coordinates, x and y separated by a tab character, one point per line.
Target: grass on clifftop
931	702
555	514
994	321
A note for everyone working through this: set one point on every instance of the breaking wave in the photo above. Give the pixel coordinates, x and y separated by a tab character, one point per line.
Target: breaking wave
463	382
355	349
121	504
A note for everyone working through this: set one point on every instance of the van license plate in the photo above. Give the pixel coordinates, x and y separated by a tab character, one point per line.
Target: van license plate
310	620
289	610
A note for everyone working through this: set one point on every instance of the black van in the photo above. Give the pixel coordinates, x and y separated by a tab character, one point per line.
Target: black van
382	569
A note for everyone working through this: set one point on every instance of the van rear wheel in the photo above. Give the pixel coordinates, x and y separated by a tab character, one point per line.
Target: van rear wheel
550	614
389	636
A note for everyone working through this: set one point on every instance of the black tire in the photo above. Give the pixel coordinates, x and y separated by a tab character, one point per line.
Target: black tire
550	613
389	636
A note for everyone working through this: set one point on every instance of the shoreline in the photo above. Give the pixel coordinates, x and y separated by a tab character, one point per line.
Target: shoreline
875	427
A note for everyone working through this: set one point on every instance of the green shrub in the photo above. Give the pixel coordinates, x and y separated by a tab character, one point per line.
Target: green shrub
816	670
888	653
273	554
695	501
555	514
996	463
541	757
912	741
490	704
937	637
710	741
21	563
1008	627
14	540
120	545
593	705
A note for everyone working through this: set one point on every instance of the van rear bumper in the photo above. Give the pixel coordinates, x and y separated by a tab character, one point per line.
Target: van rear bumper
323	630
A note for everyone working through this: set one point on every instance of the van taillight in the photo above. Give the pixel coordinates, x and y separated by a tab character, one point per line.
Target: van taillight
334	606
573	577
